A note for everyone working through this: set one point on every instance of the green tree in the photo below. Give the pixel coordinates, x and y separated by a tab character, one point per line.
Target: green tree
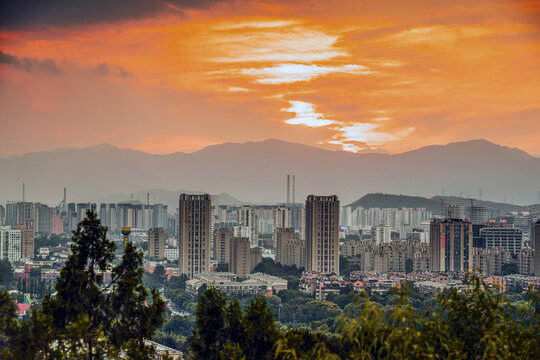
182	325
261	330
474	322
89	318
207	339
6	274
509	269
234	326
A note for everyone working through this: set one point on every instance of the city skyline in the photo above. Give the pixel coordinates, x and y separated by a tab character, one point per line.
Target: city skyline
171	76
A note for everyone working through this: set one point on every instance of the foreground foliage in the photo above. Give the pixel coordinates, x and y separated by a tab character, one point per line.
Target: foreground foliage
223	331
474	322
88	317
471	323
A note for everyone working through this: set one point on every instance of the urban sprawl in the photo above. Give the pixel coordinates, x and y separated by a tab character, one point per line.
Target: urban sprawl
221	245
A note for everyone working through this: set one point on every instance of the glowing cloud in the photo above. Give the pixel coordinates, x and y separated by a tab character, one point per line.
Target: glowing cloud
306	115
367	133
263	24
440	35
237	89
297	44
289	73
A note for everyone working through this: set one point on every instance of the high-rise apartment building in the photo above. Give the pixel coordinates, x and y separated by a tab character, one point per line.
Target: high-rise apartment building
526	260
478	214
451	245
456	211
282	217
240	256
25	211
255	258
247	217
44	218
103	215
156	243
222	244
10	244
27	240
510	239
57	226
194	234
524	224
11	213
381	234
537	248
289	251
322	234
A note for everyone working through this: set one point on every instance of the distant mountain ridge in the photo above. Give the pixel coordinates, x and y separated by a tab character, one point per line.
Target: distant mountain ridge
169	198
256	171
379	200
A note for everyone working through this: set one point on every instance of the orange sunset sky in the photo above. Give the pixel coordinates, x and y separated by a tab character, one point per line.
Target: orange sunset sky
168	75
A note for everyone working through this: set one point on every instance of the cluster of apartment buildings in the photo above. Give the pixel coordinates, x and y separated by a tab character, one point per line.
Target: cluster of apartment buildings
307	235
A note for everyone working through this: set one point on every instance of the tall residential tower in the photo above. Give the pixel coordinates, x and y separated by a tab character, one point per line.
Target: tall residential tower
322	234
194	234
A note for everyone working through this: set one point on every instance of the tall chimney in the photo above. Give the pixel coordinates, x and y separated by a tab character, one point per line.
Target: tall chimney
148	199
23	194
288	188
293	189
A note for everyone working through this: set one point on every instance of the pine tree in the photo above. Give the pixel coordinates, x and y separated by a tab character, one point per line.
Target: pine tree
208	337
89	318
261	330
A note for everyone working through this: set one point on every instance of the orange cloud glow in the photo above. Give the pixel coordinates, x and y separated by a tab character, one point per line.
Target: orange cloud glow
341	75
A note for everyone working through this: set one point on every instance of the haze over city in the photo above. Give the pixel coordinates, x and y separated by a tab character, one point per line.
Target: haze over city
269	180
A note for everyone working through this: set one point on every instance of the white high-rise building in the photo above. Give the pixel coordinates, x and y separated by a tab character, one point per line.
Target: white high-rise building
10	244
381	234
247	217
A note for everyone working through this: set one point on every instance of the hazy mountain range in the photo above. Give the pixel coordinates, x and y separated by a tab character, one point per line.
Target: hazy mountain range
434	204
256	172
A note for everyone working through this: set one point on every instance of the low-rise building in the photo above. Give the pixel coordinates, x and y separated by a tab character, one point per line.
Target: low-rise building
259	283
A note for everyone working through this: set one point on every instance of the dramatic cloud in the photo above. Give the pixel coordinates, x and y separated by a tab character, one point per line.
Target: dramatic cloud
306	115
31	64
104	69
288	73
299	44
20	14
351	136
349	75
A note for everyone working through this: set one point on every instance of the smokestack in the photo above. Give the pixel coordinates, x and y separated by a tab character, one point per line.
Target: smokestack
288	188
293	189
23	194
148	199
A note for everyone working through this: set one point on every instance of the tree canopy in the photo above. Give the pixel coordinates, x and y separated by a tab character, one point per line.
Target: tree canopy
88	317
